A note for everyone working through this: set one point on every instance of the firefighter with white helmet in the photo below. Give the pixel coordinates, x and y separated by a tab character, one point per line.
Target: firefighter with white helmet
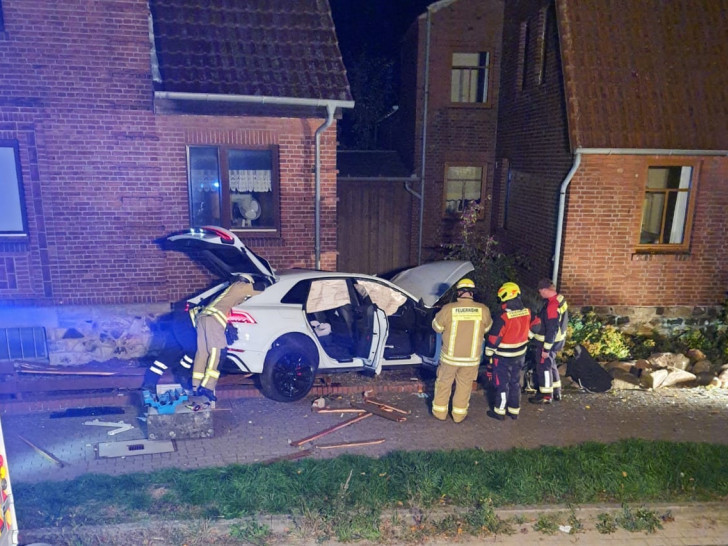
506	347
463	324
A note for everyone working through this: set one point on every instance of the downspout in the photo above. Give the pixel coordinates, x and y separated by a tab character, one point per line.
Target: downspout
423	152
608	151
560	219
330	109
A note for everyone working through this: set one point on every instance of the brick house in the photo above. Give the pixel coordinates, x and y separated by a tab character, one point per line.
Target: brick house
123	121
448	113
613	151
610	149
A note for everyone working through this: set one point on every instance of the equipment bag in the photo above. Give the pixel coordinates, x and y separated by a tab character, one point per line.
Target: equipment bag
587	372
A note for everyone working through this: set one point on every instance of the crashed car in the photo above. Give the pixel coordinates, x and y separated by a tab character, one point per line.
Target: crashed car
307	321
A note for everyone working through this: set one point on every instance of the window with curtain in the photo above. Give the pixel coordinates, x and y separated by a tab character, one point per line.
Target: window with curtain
463	188
667	207
234	188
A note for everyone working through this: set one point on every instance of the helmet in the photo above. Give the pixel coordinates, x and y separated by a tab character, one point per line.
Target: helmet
465	284
508	291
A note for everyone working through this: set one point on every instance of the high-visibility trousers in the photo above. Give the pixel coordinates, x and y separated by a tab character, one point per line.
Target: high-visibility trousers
210	342
463	377
548	374
507	381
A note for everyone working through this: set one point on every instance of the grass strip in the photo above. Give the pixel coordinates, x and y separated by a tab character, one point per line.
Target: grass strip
629	471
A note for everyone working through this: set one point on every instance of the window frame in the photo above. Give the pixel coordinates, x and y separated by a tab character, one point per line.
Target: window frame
24	233
223	155
483	175
670	248
485	69
2	20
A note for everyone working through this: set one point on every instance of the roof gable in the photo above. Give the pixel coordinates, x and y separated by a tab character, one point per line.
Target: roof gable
647	74
262	48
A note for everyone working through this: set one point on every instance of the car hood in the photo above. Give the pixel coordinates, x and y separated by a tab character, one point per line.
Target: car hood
429	282
222	252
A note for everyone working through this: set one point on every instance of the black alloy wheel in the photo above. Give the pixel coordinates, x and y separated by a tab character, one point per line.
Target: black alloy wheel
288	374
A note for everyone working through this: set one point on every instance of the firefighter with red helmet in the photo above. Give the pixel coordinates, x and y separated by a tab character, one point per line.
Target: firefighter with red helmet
506	345
554	317
463	324
211	323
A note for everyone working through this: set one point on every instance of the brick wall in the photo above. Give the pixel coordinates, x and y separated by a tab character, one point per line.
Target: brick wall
532	137
600	265
456	133
104	177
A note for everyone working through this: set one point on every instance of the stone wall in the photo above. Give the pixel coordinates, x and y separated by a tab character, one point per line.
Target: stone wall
665	320
80	334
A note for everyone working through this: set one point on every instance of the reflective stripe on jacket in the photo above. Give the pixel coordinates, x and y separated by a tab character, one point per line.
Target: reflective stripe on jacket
463	324
220	307
554	317
510	332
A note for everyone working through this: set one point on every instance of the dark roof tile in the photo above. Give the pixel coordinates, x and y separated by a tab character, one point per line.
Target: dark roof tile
279	48
647	73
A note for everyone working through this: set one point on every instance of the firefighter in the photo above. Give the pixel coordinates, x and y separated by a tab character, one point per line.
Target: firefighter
506	347
554	318
211	323
463	324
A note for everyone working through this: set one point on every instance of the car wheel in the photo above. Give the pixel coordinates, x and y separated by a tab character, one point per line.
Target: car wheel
288	373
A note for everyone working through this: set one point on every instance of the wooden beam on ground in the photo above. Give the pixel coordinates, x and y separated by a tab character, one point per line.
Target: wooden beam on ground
386	406
52	458
290	457
352	444
340	410
331	429
389	415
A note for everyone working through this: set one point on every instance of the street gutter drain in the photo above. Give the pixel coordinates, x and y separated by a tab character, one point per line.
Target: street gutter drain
135	447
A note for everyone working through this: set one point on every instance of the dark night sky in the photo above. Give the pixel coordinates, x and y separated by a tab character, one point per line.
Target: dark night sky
373	30
374	26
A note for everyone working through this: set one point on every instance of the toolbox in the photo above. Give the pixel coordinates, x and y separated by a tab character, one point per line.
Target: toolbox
173	415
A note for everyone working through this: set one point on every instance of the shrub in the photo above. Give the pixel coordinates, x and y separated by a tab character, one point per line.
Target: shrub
492	268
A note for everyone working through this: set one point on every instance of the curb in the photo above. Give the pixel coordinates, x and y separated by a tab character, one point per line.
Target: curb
91	398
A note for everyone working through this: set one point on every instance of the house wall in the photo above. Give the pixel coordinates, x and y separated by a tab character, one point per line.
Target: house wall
461	134
600	265
104	177
533	145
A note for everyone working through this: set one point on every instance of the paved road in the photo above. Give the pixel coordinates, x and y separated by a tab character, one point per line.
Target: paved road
248	430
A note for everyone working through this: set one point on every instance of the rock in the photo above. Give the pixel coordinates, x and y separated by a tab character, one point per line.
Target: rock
695	355
702	366
723	378
624	380
653	379
643	364
677	376
669	360
704	378
618	365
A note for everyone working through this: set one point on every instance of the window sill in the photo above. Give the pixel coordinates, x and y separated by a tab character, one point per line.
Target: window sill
476	105
16	243
257	233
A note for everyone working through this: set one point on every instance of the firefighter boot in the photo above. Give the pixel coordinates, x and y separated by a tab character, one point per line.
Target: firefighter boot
540	398
202	391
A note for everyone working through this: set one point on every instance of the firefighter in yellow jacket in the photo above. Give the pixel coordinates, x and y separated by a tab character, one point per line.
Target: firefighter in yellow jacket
463	324
211	323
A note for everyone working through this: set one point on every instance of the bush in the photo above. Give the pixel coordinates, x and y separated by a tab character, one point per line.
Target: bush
492	268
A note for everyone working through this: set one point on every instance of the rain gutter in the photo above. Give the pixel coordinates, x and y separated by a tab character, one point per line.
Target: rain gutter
606	151
331	106
423	156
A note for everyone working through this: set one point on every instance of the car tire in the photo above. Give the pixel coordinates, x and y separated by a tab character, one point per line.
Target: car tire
289	371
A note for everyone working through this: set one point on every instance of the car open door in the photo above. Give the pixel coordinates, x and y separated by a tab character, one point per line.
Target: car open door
380	329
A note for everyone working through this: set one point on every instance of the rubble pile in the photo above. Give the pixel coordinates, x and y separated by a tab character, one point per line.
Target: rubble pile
663	370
